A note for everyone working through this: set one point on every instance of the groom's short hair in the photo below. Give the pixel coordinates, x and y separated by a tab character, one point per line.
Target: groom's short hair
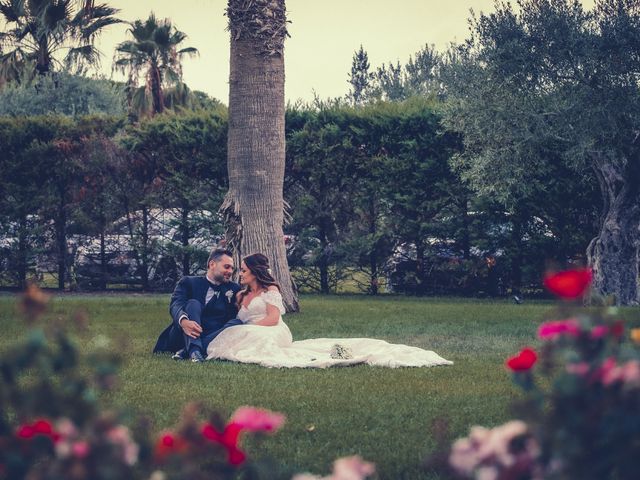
217	253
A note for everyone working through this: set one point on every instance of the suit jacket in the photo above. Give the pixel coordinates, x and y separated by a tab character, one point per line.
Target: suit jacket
196	287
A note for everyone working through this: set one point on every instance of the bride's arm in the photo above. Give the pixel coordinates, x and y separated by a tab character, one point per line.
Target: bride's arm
274	308
271	318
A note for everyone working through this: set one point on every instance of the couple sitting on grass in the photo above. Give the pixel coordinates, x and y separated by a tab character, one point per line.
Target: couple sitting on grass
215	318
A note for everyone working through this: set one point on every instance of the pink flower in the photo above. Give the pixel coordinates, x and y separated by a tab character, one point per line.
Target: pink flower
599	331
244	418
257	419
607	372
631	373
66	428
554	329
80	449
119	436
346	468
489	453
352	468
580	368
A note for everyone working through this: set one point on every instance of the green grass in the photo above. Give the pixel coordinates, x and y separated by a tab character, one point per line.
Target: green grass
384	415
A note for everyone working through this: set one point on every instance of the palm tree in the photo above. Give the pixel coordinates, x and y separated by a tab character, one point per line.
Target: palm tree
153	51
254	205
38	31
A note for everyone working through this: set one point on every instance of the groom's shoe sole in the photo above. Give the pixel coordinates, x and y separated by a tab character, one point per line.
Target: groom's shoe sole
196	357
179	355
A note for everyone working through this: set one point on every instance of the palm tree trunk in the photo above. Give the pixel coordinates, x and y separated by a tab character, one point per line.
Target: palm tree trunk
156	89
254	205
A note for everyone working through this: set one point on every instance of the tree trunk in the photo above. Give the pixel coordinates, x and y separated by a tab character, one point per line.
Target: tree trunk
254	206
421	274
61	237
144	251
614	255
516	257
103	259
186	235
43	62
22	252
157	98
373	254
465	241
323	267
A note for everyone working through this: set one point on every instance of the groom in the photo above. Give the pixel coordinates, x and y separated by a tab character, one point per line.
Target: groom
201	307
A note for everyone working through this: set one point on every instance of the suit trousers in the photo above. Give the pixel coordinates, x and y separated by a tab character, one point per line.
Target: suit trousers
193	309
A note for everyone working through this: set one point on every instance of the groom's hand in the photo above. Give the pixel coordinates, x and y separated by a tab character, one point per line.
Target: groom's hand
190	328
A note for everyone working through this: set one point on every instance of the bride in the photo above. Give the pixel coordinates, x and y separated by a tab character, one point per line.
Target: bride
265	339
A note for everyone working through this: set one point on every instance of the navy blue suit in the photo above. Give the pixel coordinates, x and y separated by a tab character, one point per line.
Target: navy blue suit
189	298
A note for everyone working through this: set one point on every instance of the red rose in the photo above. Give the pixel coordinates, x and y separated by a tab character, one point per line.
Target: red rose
569	284
169	444
617	329
26	432
244	419
523	361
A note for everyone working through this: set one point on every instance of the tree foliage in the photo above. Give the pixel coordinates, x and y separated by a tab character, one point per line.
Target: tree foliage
62	94
39	30
156	54
549	93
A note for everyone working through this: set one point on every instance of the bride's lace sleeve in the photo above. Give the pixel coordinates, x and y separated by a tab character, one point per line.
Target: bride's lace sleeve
273	297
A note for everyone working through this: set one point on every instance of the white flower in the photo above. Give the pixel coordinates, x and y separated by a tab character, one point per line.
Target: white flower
229	294
341	352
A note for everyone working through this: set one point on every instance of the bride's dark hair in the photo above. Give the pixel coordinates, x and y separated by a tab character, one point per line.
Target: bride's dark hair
258	265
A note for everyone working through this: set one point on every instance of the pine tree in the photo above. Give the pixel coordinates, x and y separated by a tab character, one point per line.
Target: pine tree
360	78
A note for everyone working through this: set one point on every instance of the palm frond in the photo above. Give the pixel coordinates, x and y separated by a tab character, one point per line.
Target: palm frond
16	66
190	51
141	102
91	30
78	57
12	10
56	15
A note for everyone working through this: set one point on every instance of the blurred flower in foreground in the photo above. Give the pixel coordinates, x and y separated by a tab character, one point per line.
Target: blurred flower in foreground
346	468
245	418
523	361
555	329
33	303
508	451
569	284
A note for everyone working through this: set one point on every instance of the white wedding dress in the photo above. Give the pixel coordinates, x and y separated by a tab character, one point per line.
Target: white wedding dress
274	347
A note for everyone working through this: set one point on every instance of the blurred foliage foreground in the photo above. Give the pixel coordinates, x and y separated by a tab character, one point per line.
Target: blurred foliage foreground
55	425
579	416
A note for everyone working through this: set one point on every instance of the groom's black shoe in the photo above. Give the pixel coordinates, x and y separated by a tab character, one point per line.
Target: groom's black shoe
196	356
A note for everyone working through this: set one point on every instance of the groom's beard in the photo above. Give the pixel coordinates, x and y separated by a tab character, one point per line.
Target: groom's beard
221	278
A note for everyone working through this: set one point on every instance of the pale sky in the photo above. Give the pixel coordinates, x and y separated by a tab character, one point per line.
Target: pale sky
324	36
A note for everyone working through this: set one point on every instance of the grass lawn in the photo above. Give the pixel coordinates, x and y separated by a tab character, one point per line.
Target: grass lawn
384	415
